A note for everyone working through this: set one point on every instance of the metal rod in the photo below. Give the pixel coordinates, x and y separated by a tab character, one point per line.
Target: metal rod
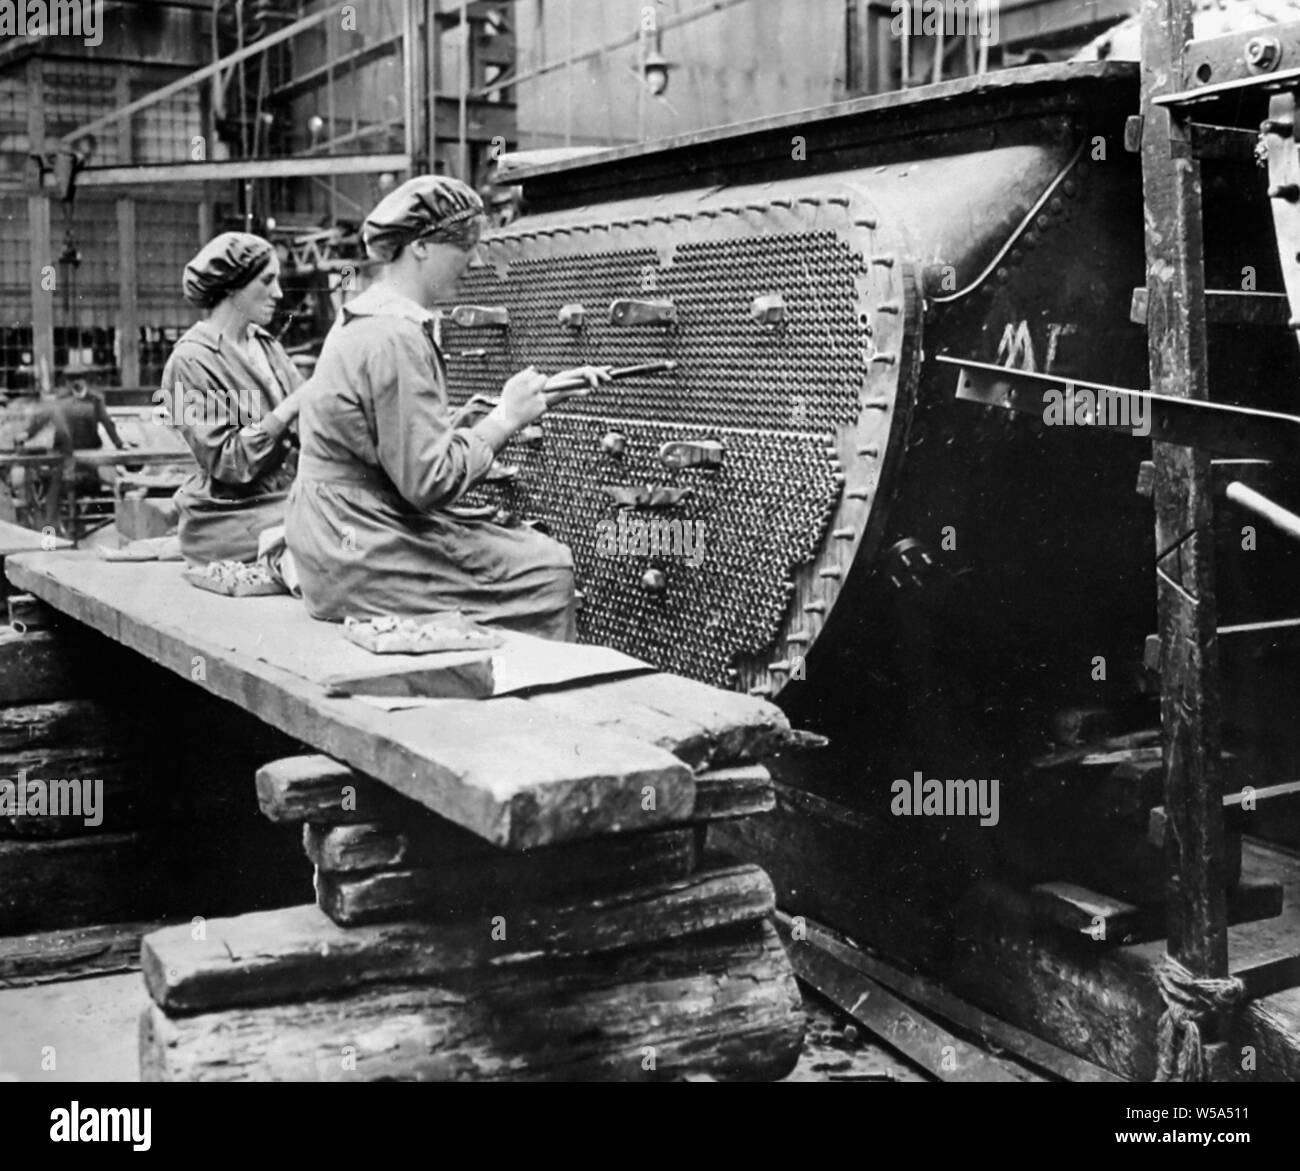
462	126
1280	518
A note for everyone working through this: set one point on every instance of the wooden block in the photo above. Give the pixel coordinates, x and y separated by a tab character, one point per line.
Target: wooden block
702	725
72	954
323	791
513	773
82	791
77	881
43	665
298	952
494	881
723	1003
26	614
64	723
1086	912
742	791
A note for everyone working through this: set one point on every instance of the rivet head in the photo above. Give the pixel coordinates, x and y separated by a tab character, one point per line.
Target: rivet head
614	444
653	581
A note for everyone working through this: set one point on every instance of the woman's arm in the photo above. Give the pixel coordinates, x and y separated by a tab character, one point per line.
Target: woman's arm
230	450
430	461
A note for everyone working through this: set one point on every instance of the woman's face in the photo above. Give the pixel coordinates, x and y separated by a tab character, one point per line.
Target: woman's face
256	302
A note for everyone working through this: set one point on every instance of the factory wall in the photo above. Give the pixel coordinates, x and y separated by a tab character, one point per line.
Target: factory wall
756	58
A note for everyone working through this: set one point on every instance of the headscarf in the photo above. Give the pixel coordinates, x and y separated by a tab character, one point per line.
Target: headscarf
223	265
428	207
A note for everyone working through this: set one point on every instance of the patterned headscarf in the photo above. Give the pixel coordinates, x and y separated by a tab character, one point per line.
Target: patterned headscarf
428	207
224	264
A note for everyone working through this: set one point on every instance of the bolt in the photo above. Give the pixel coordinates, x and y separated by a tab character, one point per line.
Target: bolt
1263	53
1288	191
653	581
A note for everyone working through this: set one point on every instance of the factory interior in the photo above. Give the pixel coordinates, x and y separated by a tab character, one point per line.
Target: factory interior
749	541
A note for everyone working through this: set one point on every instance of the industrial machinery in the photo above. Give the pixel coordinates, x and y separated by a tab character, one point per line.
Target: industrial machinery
874	548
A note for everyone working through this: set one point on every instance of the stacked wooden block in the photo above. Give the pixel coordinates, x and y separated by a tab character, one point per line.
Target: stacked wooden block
434	954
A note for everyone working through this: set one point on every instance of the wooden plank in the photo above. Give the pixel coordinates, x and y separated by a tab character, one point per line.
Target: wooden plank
73	953
896	1023
84	790
1265	799
1077	909
327	792
492	881
64	723
743	791
511	772
16	539
1184	509
703	725
722	1003
935	999
44	665
1106	920
291	954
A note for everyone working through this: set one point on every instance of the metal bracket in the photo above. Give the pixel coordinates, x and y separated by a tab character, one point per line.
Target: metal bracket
1214	427
478	316
645	495
691	453
629	311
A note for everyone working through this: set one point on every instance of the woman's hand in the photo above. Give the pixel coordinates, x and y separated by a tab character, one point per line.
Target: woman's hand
523	399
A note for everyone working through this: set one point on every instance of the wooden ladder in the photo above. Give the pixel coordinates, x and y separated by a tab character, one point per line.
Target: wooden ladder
1182	79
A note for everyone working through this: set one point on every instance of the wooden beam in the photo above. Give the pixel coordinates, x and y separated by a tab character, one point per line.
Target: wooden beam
42	289
213	70
128	279
1184	509
297	952
893	1021
720	1003
513	773
936	999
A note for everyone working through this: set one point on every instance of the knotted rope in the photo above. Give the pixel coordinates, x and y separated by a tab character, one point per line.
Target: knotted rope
1189	1001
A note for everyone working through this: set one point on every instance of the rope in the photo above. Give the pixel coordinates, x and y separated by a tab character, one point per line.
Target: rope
1189	1001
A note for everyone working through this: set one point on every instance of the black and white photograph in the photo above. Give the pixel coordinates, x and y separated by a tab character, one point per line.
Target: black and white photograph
649	541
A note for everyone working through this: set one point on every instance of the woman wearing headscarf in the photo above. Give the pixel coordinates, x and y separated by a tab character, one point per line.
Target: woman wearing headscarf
233	393
372	523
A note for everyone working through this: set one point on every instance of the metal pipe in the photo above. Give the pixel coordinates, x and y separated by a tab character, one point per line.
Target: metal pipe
463	123
1280	518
